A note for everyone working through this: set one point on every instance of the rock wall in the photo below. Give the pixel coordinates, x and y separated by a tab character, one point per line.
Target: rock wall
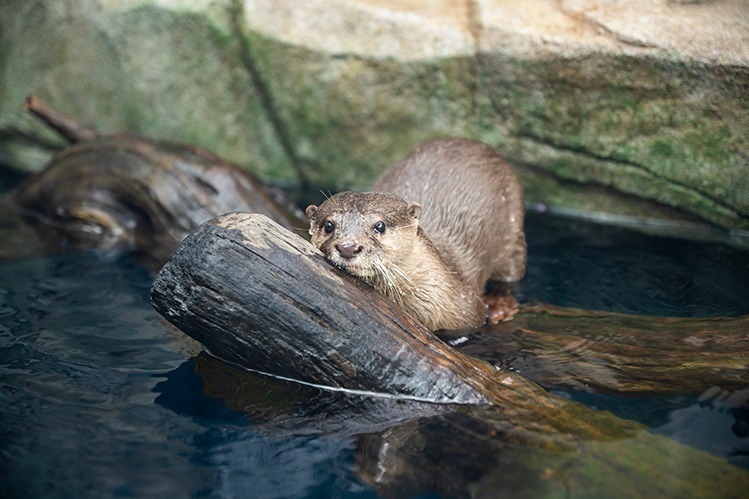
636	107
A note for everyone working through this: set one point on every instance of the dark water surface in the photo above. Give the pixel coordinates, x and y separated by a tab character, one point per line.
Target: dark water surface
99	399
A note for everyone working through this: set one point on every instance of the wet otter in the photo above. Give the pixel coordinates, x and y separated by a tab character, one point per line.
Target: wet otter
444	225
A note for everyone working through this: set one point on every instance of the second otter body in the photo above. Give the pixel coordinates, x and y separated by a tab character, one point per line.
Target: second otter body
445	221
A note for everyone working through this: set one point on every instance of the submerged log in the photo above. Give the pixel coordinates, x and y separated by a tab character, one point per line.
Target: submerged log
287	312
609	352
130	192
405	448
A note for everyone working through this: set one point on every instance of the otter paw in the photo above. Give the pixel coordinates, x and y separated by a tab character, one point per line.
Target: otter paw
500	308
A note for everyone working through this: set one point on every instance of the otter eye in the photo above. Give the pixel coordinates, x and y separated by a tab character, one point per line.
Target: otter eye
329	227
379	227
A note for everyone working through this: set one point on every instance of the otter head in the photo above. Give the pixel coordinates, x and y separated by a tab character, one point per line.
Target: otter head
365	233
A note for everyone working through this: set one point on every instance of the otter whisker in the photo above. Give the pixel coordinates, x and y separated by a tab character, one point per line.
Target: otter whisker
460	192
385	281
401	273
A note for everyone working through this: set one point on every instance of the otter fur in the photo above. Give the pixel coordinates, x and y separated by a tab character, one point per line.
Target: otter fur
442	227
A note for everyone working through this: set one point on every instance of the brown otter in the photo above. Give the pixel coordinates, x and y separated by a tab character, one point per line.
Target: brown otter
460	233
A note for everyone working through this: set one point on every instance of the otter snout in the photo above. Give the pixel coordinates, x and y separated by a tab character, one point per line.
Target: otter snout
349	249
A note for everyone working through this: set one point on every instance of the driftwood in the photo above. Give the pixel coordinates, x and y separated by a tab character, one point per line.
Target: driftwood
259	296
286	311
134	193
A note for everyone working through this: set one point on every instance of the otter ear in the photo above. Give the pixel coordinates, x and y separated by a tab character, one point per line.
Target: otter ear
414	210
311	211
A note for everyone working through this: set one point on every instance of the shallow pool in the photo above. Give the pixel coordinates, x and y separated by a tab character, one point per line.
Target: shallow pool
99	398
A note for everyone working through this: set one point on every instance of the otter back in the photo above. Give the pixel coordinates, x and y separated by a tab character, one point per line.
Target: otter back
472	207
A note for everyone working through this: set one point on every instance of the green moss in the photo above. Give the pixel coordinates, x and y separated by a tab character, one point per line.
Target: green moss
662	130
662	148
349	117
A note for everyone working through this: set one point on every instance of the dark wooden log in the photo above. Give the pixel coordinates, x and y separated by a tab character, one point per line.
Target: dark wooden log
134	193
258	295
284	310
554	347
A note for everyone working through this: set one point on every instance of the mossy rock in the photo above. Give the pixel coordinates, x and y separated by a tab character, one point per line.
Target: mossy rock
623	109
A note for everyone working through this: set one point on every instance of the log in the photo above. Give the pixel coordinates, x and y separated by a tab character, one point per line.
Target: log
259	296
556	348
285	311
263	299
127	192
615	353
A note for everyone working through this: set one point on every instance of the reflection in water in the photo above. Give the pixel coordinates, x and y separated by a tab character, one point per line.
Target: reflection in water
79	357
724	421
577	264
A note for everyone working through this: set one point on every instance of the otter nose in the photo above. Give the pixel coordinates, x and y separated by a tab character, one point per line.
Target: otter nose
348	249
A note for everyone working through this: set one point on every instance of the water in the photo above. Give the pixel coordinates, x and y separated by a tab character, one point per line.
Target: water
574	263
98	398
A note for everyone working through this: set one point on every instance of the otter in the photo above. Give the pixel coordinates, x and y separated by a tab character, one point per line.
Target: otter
441	235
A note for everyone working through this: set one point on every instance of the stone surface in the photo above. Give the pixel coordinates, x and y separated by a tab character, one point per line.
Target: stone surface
604	100
627	107
165	69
